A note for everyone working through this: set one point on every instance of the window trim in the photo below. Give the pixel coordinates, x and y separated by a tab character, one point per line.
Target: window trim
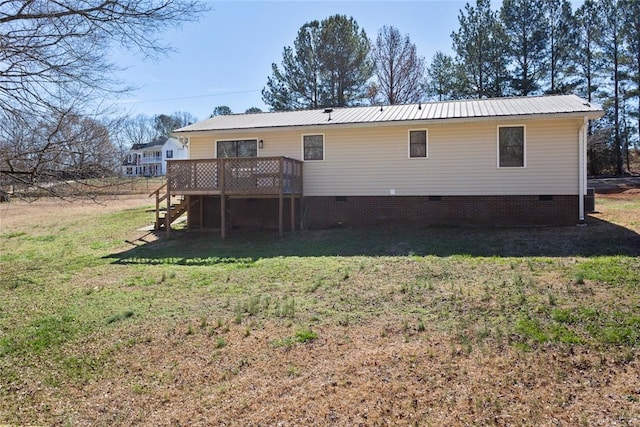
215	151
524	146
323	147
426	143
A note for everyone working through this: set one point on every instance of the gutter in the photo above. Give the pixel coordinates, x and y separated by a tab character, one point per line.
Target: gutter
582	169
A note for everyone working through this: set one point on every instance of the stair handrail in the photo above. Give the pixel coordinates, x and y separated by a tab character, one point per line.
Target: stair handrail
157	192
156	224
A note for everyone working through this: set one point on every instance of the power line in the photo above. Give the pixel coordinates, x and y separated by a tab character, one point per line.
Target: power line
192	97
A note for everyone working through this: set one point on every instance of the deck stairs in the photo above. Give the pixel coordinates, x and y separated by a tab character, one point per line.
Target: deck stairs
177	208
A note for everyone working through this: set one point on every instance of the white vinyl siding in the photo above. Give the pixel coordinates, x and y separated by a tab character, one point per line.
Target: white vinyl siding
372	160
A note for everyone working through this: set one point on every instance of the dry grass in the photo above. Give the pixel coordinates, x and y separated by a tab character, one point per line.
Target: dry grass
24	214
193	331
352	376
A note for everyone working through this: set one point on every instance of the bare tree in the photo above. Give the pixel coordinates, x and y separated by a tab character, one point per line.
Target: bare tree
52	154
87	150
128	131
139	129
183	118
399	71
54	62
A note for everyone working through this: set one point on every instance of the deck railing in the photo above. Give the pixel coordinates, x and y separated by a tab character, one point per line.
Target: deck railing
240	176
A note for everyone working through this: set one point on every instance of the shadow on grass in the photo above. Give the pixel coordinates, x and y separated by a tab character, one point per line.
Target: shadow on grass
599	238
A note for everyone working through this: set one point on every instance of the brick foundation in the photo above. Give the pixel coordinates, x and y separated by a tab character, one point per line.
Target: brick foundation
421	211
410	211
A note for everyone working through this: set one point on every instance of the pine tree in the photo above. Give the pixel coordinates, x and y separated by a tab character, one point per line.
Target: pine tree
480	50
527	33
221	110
445	78
344	58
588	27
611	43
328	67
561	44
298	84
632	36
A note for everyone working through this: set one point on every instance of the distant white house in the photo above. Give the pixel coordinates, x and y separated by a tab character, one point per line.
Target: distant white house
150	159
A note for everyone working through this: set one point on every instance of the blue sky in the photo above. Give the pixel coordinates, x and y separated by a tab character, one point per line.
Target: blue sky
225	57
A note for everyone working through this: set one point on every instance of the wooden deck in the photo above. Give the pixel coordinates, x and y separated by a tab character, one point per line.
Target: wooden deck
257	177
249	177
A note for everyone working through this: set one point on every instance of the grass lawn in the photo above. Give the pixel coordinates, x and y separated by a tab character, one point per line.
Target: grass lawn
440	326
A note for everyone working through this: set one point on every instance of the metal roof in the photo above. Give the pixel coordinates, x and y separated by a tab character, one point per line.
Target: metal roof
466	109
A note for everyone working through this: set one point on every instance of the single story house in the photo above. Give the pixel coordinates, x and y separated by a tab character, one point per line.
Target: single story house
488	162
150	159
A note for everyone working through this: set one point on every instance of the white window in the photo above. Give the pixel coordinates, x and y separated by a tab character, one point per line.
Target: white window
418	144
313	147
169	154
511	146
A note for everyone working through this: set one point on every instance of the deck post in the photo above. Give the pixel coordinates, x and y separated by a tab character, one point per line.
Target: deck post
157	223
167	216
223	207
301	213
281	199
293	212
188	199
301	182
223	217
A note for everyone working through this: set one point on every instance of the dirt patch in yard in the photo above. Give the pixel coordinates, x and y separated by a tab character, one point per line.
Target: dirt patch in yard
624	194
21	213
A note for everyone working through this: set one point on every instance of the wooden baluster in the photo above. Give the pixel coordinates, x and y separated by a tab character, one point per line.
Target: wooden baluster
223	208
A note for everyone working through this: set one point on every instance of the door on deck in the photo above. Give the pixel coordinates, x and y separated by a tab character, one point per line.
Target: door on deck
239	175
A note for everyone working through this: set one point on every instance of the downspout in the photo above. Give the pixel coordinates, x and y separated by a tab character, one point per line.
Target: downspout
582	168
